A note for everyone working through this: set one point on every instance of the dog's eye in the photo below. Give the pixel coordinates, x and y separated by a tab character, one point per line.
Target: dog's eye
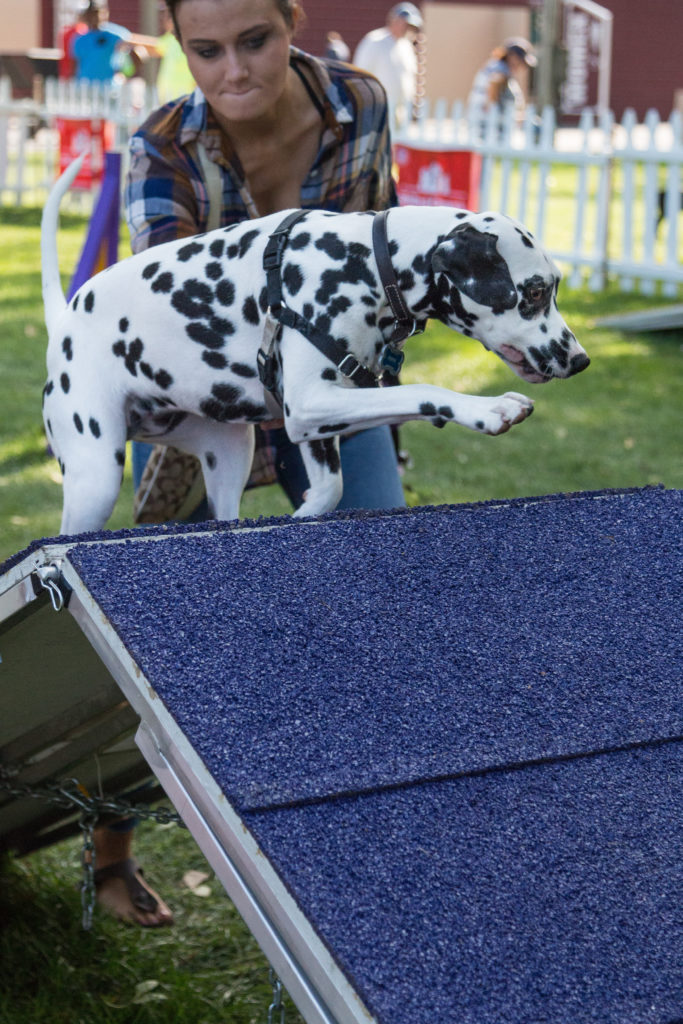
536	294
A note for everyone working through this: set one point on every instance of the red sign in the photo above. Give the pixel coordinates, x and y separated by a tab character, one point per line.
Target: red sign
93	136
432	177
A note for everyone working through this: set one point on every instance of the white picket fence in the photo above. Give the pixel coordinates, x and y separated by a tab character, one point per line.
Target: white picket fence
29	139
591	194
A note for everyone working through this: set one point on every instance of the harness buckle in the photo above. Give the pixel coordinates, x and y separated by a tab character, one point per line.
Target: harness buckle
266	362
272	257
355	366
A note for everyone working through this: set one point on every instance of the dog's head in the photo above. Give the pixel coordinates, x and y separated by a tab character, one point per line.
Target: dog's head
495	283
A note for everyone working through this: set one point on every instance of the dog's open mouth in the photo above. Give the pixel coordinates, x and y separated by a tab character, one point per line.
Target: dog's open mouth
519	364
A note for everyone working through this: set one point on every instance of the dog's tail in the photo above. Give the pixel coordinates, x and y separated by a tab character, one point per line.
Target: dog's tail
53	294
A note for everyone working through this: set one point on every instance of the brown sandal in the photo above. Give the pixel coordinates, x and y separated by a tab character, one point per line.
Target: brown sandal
127	869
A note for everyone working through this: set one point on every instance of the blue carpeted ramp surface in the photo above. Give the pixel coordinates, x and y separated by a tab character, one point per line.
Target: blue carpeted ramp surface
455	733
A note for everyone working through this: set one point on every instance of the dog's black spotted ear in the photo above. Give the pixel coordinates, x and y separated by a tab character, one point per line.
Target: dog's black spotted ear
471	261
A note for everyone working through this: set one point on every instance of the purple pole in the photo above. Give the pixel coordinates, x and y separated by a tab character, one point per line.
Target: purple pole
102	240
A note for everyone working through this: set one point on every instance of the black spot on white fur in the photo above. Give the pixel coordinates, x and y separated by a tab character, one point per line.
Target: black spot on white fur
300	241
325	453
131	354
332	246
227	402
246	241
292	278
250	310
188	251
163	283
216	360
211	335
243	370
332	428
194	300
225	293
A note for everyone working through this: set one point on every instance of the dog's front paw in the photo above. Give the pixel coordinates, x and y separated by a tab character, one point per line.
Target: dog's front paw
319	500
504	412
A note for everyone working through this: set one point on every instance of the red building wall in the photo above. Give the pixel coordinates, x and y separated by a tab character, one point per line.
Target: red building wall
647	66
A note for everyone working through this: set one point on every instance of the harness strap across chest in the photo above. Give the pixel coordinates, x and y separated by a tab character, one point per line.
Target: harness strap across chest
346	363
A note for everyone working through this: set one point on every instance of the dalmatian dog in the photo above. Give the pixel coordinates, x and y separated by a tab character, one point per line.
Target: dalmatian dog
164	346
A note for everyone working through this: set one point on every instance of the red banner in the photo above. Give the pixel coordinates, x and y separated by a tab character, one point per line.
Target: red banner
95	137
430	177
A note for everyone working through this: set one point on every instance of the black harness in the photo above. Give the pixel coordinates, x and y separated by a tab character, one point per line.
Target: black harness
404	325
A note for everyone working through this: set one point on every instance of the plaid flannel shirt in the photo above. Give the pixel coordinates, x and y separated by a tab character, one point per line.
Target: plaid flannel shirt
166	197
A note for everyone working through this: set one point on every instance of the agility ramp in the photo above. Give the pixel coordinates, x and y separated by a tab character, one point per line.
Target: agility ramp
433	755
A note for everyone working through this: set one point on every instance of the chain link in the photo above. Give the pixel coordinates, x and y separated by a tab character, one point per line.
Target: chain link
87	824
71	794
277	1007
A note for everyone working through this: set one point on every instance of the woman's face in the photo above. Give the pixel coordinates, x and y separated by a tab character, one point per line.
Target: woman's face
238	53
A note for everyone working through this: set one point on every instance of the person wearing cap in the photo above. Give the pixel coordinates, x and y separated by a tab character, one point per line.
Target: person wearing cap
389	54
496	83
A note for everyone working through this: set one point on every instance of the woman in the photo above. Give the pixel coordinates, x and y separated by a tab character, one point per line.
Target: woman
269	128
496	83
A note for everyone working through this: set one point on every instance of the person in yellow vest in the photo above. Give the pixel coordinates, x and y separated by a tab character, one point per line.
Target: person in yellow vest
174	77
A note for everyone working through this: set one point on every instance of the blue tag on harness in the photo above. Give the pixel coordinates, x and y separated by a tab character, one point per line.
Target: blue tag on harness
392	360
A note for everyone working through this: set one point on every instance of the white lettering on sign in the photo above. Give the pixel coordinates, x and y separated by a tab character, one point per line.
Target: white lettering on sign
433	180
577	41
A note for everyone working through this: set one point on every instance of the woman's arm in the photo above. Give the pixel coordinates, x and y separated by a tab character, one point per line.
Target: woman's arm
160	196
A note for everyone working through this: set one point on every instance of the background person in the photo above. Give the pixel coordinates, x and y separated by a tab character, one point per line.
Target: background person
389	54
496	83
174	77
335	47
100	53
66	67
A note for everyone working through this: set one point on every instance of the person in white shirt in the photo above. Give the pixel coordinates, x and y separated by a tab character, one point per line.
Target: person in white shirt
389	54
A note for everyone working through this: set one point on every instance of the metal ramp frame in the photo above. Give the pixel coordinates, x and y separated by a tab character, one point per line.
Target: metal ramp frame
469	801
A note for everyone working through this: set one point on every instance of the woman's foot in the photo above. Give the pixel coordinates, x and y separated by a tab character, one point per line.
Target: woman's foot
119	883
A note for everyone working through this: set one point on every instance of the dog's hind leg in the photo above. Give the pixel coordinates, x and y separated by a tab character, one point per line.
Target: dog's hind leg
225	451
323	468
91	483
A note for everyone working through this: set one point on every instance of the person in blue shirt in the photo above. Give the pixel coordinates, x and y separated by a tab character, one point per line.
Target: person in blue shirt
101	52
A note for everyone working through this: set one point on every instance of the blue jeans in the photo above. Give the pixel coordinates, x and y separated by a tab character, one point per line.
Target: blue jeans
369	469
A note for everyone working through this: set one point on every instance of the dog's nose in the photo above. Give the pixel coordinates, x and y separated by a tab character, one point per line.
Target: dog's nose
578	363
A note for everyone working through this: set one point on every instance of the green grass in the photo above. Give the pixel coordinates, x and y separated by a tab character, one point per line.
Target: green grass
616	425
